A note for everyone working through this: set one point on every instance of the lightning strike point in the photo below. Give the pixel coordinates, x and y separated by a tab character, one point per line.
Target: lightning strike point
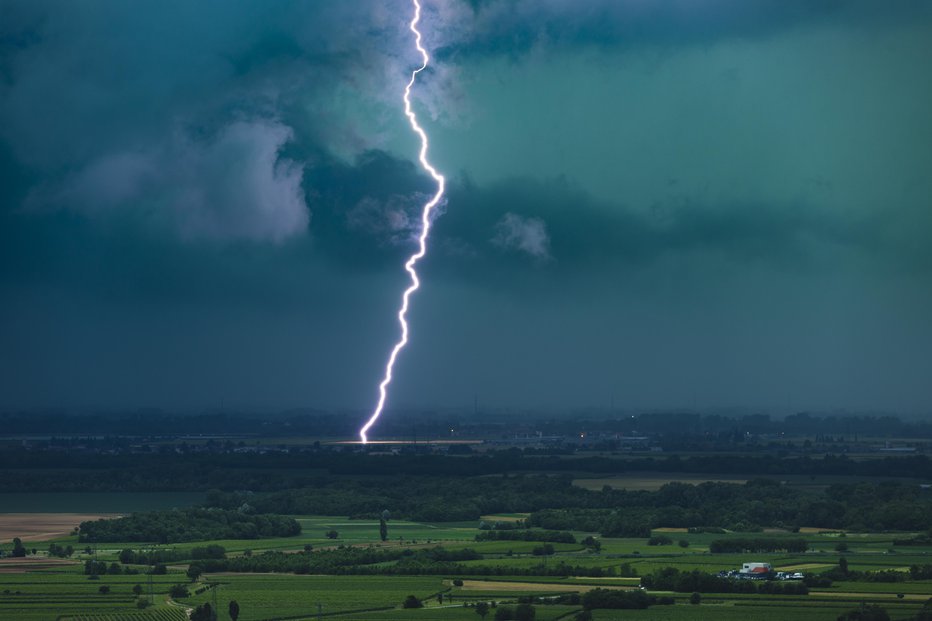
425	226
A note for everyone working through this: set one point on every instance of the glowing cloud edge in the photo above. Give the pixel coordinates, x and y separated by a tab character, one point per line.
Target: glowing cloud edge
425	227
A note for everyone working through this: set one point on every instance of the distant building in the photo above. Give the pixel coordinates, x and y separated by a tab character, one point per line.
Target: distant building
756	570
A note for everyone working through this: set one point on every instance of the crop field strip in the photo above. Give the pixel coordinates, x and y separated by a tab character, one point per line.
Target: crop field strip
64	593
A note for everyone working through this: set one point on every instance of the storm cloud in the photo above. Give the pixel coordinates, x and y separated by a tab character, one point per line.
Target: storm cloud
688	204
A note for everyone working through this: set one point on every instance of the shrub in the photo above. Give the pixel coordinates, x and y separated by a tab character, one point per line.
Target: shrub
504	613
412	602
179	590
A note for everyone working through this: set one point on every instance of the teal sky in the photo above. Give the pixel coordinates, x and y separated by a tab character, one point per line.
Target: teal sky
719	203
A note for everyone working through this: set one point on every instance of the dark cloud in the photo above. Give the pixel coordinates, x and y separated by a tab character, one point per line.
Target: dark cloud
578	233
181	112
213	199
511	28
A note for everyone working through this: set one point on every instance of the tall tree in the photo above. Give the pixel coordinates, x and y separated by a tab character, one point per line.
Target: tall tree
18	548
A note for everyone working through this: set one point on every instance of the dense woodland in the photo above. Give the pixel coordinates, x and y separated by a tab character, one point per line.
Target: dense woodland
188	525
557	505
24	470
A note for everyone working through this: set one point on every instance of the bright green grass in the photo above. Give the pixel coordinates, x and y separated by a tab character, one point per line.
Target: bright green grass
544	613
47	595
163	613
44	596
285	595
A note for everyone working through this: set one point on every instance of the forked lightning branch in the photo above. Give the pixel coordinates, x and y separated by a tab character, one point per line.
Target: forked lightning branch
426	212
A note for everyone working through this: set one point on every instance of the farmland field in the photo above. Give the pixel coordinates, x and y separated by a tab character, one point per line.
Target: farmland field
43	526
39	588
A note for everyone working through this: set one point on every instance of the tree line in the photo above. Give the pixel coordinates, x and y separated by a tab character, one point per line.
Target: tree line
188	525
23	470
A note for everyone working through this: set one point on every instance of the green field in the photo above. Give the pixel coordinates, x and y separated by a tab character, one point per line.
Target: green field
64	593
36	596
266	596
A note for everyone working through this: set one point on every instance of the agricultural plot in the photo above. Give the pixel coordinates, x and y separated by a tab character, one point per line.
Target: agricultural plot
55	591
42	526
266	596
453	613
48	595
160	614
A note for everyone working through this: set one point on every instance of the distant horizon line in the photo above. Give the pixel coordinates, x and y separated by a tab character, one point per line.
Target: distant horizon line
486	410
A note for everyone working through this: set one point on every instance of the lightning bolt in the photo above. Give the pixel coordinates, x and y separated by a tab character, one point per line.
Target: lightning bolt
425	227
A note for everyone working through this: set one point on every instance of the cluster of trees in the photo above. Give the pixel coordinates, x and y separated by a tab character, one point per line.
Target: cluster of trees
521	612
188	525
427	499
19	550
673	579
500	525
550	536
612	598
60	551
744	508
100	568
920	572
170	555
